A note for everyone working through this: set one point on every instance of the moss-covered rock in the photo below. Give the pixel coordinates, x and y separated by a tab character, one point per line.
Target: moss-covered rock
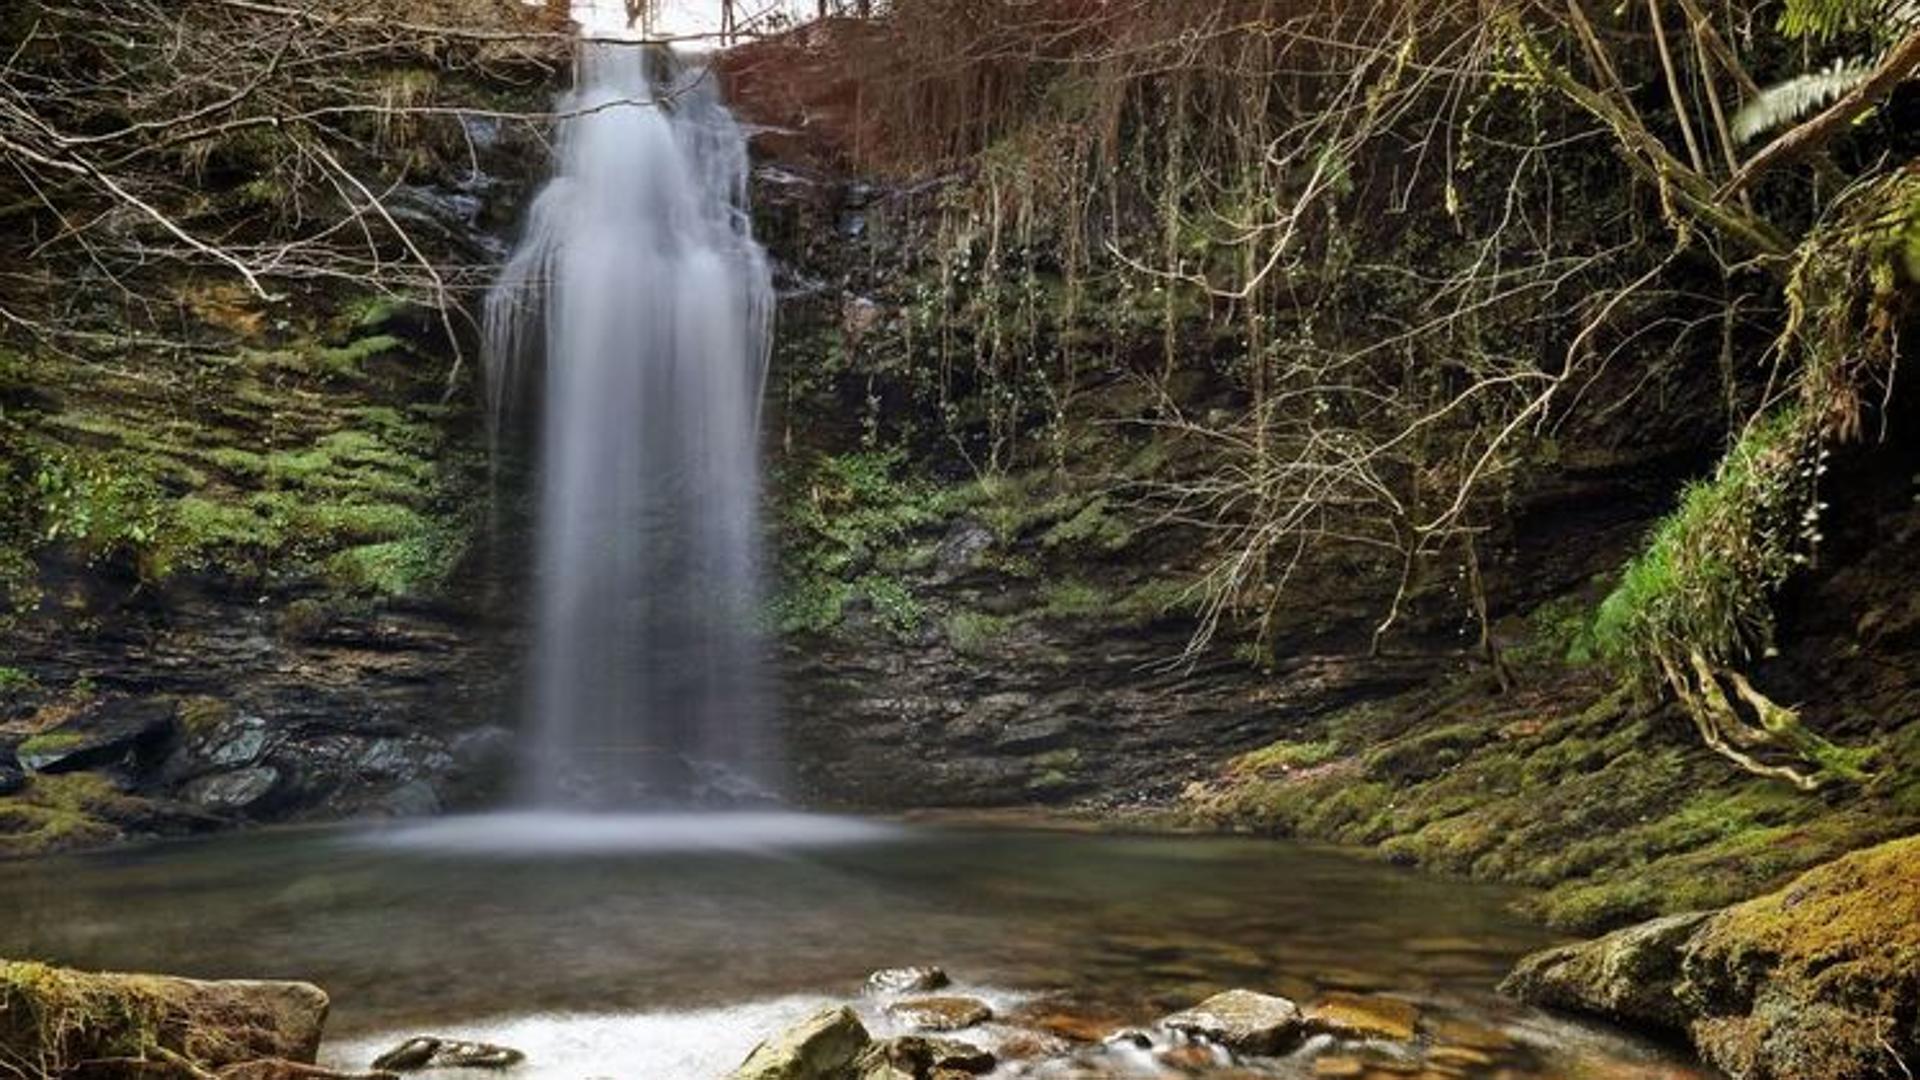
52	1019
1819	979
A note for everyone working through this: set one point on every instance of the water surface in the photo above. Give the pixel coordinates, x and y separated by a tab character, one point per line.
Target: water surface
606	953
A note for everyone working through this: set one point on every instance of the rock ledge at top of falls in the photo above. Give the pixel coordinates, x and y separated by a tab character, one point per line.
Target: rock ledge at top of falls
1243	1021
59	1019
1820	979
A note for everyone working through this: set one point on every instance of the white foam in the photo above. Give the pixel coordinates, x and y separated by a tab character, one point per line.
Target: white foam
695	1045
565	833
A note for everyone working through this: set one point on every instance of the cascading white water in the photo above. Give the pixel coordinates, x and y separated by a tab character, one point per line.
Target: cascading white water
640	290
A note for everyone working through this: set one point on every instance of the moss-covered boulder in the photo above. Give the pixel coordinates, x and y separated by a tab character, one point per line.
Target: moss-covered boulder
1820	979
1632	975
53	1019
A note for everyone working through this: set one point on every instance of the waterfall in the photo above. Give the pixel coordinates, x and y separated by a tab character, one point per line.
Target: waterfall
635	317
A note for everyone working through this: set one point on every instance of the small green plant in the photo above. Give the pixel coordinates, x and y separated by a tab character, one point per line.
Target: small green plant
1706	580
974	633
896	605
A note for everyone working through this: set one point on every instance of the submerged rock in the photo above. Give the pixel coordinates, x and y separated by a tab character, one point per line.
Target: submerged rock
1242	1021
1362	1016
1820	979
60	1018
940	1013
907	980
824	1046
434	1052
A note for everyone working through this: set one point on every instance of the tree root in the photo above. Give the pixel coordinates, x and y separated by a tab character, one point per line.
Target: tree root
1813	761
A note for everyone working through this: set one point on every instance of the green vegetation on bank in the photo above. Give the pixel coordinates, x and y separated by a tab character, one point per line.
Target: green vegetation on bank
264	467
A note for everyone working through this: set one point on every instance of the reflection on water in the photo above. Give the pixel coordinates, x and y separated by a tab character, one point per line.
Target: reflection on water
716	946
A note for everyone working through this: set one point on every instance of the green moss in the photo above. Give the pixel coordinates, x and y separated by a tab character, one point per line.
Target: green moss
1074	599
894	603
1428	753
348	359
811	605
835	512
59	813
415	566
58	1018
14	680
1560	631
1094	528
1707	577
50	742
1284	756
200	715
373	312
975	633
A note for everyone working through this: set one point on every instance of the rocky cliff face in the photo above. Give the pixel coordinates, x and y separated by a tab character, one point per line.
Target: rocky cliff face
249	569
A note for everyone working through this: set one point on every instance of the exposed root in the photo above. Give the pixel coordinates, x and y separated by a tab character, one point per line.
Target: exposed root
1811	762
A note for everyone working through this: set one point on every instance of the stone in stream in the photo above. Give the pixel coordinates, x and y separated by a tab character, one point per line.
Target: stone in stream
907	980
1631	975
824	1046
912	1057
60	1018
1362	1016
1242	1021
434	1052
940	1013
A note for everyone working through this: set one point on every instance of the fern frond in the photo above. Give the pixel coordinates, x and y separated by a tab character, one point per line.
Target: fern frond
1786	102
1824	20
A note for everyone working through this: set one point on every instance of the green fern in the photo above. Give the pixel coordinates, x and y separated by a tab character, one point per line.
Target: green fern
1783	103
1822	21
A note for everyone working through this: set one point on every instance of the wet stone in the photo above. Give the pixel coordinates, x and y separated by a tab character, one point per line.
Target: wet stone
1242	1021
1468	1034
237	790
824	1046
1361	1016
907	980
940	1013
1194	1057
434	1052
936	1054
1075	1027
1459	1057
